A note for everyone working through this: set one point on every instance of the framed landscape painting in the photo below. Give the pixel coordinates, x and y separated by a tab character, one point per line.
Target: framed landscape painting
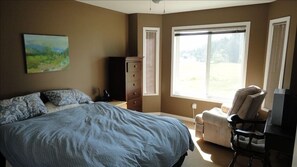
45	53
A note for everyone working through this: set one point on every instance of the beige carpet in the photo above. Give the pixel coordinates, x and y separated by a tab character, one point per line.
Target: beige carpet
211	155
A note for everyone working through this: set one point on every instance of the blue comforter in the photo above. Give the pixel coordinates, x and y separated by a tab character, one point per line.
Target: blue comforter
95	135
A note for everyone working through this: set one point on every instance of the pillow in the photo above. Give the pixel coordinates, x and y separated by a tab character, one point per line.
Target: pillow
60	97
66	97
53	108
21	107
81	97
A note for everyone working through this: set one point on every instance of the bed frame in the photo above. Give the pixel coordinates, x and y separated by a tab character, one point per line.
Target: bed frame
177	164
180	161
2	160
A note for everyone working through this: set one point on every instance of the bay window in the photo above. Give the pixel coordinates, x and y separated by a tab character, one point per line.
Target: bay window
209	61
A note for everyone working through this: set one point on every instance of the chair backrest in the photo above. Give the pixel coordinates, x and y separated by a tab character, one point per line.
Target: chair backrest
247	102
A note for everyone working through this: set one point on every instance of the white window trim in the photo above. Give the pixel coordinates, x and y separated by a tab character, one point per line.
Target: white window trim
268	52
208	26
157	60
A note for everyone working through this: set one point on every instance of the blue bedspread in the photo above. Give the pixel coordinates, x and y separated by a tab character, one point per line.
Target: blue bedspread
95	135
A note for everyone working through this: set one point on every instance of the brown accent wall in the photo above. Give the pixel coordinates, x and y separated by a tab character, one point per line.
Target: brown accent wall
256	14
293	84
282	8
132	34
150	103
94	34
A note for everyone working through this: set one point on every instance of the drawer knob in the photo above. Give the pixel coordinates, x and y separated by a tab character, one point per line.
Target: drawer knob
133	84
134	102
133	75
135	66
134	93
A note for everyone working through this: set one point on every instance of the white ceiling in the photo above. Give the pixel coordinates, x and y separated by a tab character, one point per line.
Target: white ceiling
169	6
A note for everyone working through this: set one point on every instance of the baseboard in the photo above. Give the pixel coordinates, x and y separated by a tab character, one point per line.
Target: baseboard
173	115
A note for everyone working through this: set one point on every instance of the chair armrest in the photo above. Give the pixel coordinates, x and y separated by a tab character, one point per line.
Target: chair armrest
216	117
249	134
235	119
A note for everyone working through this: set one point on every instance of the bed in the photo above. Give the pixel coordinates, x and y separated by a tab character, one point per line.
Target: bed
94	134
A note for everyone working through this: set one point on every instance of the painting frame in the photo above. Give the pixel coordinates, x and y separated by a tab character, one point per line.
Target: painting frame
45	53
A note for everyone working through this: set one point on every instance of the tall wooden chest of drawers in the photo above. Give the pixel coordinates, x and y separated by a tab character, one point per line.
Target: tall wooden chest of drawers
125	80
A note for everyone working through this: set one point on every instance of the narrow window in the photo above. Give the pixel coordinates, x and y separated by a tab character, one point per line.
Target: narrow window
209	61
275	57
151	40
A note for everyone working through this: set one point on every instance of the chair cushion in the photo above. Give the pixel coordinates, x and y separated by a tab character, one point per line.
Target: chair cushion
215	116
257	145
240	97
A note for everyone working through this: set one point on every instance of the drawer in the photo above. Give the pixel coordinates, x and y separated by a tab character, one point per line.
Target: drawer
133	86
133	66
133	93
133	76
135	104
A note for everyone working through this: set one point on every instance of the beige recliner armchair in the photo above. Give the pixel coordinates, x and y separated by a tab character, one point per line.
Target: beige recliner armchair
212	125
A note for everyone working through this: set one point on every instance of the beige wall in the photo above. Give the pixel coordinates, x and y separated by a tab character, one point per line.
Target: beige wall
150	103
281	9
256	14
94	34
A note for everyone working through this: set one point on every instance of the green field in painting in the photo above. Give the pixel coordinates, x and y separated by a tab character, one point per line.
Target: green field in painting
45	63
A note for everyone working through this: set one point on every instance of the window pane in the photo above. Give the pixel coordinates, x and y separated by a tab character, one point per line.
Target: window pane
150	65
226	64
209	63
190	67
151	40
275	64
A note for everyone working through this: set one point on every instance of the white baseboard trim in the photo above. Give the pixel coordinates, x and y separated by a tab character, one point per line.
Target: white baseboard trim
173	115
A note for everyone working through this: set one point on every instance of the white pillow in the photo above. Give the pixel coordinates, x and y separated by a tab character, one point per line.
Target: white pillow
53	108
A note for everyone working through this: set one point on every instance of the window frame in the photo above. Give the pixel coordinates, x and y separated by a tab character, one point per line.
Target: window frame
157	70
286	20
247	26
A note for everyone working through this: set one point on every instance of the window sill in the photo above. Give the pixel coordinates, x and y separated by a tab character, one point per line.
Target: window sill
225	101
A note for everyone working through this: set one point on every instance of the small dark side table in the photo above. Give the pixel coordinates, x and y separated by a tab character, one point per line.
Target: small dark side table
278	138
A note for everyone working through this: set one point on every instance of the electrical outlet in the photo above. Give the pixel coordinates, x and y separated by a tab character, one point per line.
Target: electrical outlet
194	106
